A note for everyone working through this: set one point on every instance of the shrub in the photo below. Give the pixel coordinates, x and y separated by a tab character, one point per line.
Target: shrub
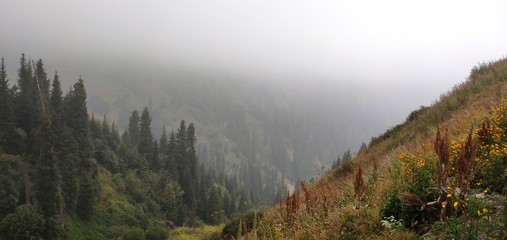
247	220
157	232
392	208
24	223
344	168
128	233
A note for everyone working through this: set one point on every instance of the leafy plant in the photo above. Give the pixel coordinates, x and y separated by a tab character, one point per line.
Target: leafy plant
24	223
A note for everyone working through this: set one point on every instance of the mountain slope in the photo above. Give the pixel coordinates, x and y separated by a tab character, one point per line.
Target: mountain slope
439	175
266	132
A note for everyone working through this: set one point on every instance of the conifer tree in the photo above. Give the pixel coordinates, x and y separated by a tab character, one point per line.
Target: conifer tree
184	167
145	146
163	141
162	149
347	156
172	165
25	101
133	129
47	181
56	104
47	184
41	84
155	157
214	206
180	150
76	118
7	121
86	198
191	152
68	163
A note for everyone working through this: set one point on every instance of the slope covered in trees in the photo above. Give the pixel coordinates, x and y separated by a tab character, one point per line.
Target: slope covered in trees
68	175
442	174
269	131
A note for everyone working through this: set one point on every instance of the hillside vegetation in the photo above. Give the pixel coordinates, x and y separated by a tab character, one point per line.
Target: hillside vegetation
65	174
439	175
268	132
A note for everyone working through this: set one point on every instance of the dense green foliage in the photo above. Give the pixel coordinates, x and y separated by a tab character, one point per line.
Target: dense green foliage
67	175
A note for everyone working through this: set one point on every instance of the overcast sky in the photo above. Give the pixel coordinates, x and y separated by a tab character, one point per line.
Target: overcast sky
423	46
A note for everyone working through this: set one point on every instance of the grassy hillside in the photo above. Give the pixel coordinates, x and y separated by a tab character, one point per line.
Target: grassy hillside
439	175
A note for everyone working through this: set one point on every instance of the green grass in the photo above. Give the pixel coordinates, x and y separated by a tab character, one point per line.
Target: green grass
190	233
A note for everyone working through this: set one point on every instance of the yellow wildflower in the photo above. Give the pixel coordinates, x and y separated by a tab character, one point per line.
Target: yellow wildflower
484	210
449	195
455	204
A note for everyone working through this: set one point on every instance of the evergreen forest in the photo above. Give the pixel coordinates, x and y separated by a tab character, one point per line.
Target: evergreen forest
67	174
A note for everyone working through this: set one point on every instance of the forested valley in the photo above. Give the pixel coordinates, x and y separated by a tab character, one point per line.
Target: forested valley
67	174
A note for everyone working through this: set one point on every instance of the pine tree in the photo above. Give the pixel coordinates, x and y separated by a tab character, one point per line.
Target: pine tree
184	167
41	84
162	149
133	129
11	183
68	164
76	118
191	152
47	184
145	146
214	206
7	121
347	156
363	148
25	101
56	104
172	165
47	181
155	157
86	198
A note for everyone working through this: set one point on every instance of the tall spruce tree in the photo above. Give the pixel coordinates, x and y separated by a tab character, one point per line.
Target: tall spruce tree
191	152
184	168
180	150
145	145
172	164
133	130
155	157
68	163
47	183
76	115
25	101
41	84
47	180
76	118
7	121
56	103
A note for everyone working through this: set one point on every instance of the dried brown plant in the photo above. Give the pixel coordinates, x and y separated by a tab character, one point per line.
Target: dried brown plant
442	150
360	186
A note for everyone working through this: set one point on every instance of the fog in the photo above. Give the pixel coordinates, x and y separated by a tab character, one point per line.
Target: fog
401	53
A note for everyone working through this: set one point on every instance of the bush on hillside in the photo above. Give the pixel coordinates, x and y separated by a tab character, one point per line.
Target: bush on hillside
24	223
247	221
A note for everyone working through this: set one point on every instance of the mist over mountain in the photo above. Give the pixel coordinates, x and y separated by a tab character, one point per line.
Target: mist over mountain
95	98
